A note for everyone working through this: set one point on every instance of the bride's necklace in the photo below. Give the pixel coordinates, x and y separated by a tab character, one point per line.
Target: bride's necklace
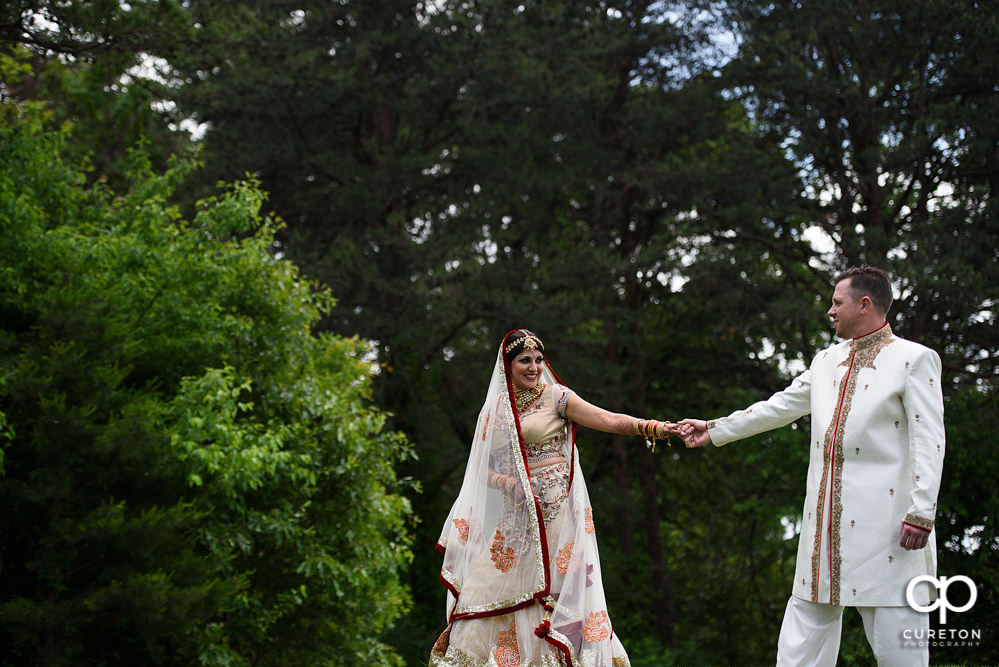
525	397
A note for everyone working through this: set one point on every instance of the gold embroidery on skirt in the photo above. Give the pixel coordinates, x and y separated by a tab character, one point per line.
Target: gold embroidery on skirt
593	629
502	555
507	654
564	557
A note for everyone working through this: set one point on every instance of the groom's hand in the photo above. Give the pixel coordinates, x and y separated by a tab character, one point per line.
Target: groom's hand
694	432
912	537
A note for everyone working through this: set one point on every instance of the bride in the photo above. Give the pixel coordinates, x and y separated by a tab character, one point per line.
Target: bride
520	552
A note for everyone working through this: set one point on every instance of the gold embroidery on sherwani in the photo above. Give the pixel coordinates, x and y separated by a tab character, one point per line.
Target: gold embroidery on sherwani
919	521
862	355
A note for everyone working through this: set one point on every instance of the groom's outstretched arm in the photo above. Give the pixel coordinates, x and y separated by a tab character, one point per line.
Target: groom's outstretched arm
779	410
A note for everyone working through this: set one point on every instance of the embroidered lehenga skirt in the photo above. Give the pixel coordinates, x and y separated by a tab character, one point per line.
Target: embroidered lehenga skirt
509	639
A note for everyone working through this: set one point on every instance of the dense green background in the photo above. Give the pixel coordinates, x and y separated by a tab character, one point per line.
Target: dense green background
212	458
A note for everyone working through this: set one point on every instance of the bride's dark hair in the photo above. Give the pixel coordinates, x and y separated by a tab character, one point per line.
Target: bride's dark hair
520	340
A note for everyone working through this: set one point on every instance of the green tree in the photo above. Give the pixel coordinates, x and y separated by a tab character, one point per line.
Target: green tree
456	170
891	113
190	475
90	63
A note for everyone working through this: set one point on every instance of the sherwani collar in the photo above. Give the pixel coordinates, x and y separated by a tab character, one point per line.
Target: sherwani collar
876	337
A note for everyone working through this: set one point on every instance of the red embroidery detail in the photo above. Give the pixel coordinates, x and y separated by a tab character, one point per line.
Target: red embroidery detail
588	520
462	527
502	555
440	646
563	558
593	629
507	653
485	427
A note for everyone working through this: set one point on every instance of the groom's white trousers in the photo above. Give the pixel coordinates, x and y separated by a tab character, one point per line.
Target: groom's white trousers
810	635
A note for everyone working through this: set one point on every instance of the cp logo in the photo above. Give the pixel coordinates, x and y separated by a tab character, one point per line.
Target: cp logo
942	584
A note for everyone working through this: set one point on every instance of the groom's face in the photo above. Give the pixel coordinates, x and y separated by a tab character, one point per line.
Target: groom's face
845	311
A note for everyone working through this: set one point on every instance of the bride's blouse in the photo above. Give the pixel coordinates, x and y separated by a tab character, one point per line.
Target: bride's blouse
543	425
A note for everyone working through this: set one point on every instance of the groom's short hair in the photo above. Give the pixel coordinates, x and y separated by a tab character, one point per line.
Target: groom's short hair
866	280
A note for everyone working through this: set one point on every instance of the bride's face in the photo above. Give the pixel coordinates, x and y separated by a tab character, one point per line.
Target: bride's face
526	369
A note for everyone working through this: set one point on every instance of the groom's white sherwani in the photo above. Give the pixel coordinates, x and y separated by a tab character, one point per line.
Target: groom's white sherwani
877	450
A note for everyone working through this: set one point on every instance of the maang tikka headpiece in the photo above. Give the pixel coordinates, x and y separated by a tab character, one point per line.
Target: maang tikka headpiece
530	341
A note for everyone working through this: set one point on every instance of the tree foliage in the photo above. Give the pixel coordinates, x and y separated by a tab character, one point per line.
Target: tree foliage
190	475
669	225
889	113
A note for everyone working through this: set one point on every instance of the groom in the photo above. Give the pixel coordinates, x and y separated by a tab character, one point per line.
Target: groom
877	450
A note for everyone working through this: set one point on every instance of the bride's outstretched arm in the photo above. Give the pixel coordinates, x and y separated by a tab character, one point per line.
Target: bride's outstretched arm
592	416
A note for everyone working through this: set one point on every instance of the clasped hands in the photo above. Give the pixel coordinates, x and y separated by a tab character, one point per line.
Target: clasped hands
694	432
